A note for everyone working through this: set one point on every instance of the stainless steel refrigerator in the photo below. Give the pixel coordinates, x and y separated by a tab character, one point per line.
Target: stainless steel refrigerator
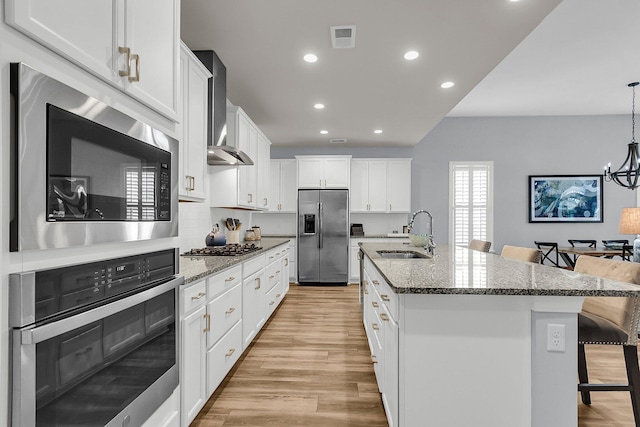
323	236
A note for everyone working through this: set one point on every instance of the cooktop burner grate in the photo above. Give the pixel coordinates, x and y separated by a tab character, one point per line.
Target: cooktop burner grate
227	250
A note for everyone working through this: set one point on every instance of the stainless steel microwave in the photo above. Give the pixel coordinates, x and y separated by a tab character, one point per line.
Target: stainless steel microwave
85	173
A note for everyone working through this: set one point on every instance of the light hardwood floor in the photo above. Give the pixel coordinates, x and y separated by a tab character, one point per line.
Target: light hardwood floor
310	366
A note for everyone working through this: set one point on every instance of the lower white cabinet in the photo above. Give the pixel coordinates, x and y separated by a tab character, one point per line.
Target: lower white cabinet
354	261
222	356
192	360
253	296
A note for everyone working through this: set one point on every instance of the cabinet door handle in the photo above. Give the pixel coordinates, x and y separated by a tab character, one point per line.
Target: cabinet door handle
325	183
231	310
200	295
127	60
265	201
320	183
375	326
390	207
385	297
287	262
384	317
136	78
279	206
258	280
230	352
373	359
208	328
230	279
191	183
250	197
375	304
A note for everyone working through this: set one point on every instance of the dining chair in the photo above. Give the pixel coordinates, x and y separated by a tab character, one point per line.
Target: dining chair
479	245
549	250
522	254
610	321
580	242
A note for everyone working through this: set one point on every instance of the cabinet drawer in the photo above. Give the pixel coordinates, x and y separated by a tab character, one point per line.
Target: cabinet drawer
223	281
194	296
272	255
274	297
251	266
222	356
388	298
274	272
223	312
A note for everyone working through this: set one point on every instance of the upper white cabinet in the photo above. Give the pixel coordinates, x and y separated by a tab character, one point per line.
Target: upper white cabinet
242	186
193	144
323	171
380	185
282	186
399	185
131	44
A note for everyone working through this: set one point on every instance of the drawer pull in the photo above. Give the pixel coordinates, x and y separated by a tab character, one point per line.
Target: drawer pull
270	257
231	310
277	295
366	292
208	328
278	272
374	303
271	277
230	352
375	326
385	297
272	302
258	280
375	282
384	317
373	359
200	295
230	279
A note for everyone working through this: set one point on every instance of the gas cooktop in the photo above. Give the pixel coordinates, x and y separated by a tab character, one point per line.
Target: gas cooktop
227	250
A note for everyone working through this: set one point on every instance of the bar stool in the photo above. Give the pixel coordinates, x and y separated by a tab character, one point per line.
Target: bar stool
479	245
610	321
548	249
523	254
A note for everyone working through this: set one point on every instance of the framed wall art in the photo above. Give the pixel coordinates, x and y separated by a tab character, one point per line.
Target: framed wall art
565	198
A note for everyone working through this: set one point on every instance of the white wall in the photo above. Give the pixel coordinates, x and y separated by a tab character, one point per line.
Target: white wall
519	147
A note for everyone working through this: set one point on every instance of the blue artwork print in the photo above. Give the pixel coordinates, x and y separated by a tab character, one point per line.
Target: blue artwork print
565	199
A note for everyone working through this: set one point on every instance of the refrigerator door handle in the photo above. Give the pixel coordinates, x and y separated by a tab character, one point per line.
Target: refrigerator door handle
321	232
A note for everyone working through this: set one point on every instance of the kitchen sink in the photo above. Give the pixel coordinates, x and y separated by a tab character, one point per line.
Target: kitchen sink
402	254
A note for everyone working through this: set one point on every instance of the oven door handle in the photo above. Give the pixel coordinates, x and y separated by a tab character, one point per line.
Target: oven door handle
38	334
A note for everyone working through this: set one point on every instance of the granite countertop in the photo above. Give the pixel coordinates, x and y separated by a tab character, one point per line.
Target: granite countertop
194	267
458	270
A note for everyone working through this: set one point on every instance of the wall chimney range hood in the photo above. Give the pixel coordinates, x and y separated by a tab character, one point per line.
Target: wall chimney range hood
218	152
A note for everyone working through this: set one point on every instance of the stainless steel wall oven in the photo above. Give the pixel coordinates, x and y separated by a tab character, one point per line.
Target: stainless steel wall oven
94	344
83	172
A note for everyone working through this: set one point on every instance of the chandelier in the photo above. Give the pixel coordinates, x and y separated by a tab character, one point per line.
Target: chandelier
628	174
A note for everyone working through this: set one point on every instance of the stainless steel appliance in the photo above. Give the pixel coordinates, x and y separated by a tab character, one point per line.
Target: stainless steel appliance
84	173
94	344
323	236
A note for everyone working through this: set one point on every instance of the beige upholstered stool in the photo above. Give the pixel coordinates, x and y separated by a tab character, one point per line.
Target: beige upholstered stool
612	321
523	254
479	245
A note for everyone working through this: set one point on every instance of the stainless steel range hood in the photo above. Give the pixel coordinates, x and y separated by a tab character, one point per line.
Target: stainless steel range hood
218	152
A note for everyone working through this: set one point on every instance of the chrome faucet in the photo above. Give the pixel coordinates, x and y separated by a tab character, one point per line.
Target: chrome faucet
430	246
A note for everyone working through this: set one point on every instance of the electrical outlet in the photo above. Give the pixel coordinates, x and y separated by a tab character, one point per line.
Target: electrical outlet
556	338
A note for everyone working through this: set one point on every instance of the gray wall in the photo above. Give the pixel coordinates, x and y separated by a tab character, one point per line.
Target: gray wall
522	146
519	147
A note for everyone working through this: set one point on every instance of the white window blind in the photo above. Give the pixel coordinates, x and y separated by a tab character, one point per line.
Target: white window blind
471	214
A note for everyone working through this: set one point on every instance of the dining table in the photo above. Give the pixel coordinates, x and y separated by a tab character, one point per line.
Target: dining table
566	253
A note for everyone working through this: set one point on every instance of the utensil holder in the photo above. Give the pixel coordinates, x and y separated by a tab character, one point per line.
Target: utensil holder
233	237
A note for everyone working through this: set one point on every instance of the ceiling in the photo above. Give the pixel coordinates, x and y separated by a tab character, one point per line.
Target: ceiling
578	48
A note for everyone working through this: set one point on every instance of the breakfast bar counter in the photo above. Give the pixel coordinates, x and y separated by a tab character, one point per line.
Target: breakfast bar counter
473	338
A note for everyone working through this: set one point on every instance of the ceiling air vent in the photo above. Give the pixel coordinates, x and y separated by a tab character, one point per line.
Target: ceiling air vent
343	36
338	140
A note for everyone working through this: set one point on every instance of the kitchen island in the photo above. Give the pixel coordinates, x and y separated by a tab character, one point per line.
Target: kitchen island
461	339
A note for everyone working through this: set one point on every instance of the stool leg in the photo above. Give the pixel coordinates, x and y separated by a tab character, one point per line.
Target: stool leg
583	377
633	374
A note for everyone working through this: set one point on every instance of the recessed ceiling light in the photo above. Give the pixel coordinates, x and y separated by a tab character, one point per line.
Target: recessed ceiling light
318	106
411	55
377	131
310	57
324	132
447	85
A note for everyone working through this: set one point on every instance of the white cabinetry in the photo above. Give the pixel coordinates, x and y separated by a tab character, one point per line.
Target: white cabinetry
354	261
380	185
282	186
131	44
368	192
242	186
323	171
399	185
293	271
253	296
193	144
192	350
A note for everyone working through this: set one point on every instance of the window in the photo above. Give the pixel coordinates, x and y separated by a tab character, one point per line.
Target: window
471	202
141	192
